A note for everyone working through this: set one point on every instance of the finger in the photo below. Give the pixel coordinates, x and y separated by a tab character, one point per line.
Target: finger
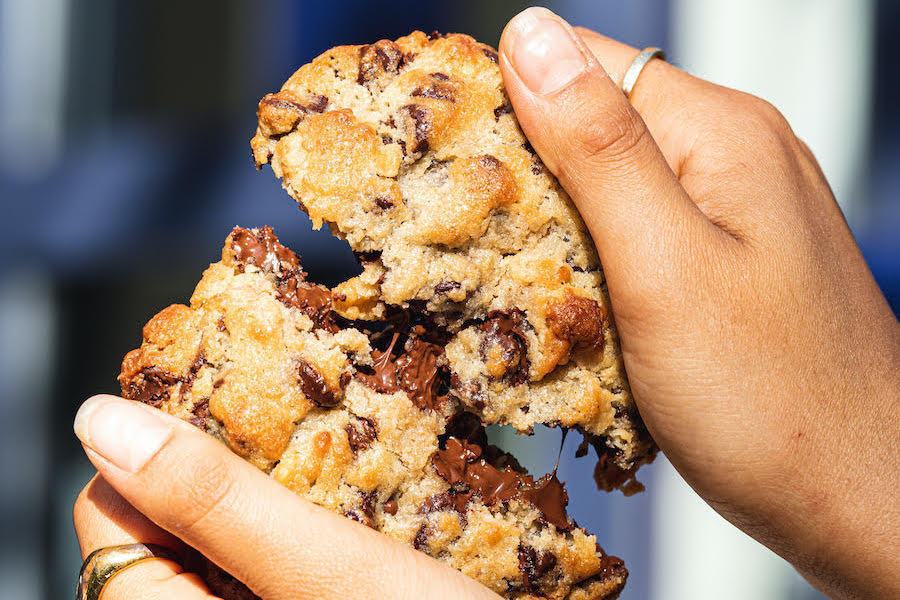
103	518
243	520
588	134
668	99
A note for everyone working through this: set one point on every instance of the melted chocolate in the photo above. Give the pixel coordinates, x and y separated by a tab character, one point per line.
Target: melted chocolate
417	370
359	439
262	249
505	330
462	465
314	386
534	564
152	387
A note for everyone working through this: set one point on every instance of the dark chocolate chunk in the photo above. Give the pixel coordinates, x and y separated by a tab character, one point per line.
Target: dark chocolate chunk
314	387
533	565
418	370
445	286
359	436
549	496
440	76
463	465
381	57
314	300
383	203
262	249
491	54
151	386
504	109
390	507
421	126
504	330
437	91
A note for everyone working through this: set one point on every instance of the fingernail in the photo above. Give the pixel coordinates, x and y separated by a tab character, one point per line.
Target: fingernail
120	431
544	52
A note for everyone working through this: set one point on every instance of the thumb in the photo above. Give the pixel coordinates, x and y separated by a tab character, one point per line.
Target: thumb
587	133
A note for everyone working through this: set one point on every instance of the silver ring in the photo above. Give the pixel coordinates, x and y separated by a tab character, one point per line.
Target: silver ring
105	563
637	65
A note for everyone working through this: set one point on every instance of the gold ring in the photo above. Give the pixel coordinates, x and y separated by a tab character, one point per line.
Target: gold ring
102	565
637	65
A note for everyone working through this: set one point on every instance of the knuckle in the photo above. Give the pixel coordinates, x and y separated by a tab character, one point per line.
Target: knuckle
612	137
764	118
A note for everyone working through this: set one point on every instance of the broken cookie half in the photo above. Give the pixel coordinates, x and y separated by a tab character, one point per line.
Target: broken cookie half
360	418
410	151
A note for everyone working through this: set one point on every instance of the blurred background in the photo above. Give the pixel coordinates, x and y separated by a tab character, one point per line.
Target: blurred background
124	162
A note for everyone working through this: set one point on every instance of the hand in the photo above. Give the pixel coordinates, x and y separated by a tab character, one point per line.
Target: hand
764	359
163	481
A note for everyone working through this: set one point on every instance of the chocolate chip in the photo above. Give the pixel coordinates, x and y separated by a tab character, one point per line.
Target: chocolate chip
421	126
317	103
435	35
151	386
381	57
390	507
581	321
383	203
504	341
314	387
420	542
446	501
437	91
504	109
490	53
533	565
260	248
440	76
445	286
359	436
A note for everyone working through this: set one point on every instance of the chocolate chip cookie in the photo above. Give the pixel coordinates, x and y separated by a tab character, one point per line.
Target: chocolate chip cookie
360	418
410	151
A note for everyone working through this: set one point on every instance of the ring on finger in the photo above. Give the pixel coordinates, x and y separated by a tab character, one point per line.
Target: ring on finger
105	563
637	65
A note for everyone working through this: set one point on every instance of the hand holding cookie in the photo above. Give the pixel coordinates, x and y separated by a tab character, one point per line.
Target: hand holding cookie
763	357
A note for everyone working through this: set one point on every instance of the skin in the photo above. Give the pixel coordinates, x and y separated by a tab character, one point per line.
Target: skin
763	356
